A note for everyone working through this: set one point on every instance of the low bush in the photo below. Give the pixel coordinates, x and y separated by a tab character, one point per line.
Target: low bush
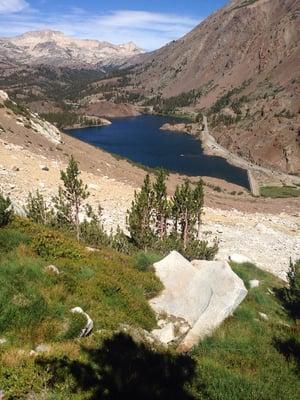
143	261
10	239
6	210
51	244
76	323
290	295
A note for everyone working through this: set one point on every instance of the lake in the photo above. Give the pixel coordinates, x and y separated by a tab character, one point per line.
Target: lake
140	140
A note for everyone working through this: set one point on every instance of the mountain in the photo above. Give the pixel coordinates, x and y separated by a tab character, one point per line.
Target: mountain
241	67
54	48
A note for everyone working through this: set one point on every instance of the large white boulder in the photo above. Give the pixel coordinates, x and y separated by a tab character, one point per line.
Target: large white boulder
203	293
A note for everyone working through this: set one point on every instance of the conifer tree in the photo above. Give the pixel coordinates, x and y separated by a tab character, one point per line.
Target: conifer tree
183	211
140	216
161	203
36	208
68	203
198	195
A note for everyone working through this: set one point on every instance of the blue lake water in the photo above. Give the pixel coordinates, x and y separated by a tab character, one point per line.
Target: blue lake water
140	139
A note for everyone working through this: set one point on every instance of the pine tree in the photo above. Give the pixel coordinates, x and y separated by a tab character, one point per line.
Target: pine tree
183	211
140	216
161	203
6	210
198	197
70	197
36	208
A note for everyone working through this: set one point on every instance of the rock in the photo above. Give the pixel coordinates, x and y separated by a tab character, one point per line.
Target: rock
91	249
53	269
239	259
42	348
161	323
86	331
139	335
183	329
16	169
264	316
164	335
202	293
44	168
3	95
254	283
92	186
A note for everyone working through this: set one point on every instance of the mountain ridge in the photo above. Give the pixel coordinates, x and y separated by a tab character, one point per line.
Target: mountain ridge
55	48
240	66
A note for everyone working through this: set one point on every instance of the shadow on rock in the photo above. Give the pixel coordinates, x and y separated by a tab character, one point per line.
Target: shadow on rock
121	369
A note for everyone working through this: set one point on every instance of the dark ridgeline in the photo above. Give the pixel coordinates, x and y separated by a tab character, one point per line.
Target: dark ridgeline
140	140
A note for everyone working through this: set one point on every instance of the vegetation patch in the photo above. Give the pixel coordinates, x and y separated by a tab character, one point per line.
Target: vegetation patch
279	191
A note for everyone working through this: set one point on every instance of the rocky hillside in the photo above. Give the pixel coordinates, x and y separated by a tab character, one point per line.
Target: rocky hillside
55	48
242	66
17	120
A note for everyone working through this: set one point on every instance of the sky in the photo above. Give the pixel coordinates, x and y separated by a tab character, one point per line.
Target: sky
148	23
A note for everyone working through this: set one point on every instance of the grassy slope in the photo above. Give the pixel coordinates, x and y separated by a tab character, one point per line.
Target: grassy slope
279	191
239	362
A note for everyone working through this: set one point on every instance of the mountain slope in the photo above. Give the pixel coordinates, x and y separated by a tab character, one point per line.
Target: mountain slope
55	48
246	53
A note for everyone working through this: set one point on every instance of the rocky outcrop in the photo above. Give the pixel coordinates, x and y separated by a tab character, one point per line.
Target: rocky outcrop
175	128
24	118
203	293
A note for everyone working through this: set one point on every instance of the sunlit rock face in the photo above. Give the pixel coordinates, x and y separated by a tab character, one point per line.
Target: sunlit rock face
203	293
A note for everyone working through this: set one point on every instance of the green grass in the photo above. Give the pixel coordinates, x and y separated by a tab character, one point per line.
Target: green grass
279	191
105	284
238	362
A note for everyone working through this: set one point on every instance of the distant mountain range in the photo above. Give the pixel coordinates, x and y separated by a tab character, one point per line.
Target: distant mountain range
54	48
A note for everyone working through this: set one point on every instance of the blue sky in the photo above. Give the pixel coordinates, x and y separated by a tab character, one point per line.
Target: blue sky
148	23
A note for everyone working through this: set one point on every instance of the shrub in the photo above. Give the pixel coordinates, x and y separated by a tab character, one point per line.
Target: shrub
119	241
195	249
200	250
93	234
11	239
143	261
76	323
36	208
6	211
52	245
290	296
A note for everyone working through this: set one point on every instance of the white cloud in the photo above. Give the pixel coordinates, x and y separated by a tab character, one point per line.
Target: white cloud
12	6
147	29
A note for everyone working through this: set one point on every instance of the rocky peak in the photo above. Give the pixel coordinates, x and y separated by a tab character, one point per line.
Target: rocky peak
55	48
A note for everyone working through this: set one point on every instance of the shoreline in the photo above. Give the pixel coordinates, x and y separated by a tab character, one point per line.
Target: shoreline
257	175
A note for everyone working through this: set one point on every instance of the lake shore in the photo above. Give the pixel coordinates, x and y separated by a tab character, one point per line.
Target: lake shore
258	175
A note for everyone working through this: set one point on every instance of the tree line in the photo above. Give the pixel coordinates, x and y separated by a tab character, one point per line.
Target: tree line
155	222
